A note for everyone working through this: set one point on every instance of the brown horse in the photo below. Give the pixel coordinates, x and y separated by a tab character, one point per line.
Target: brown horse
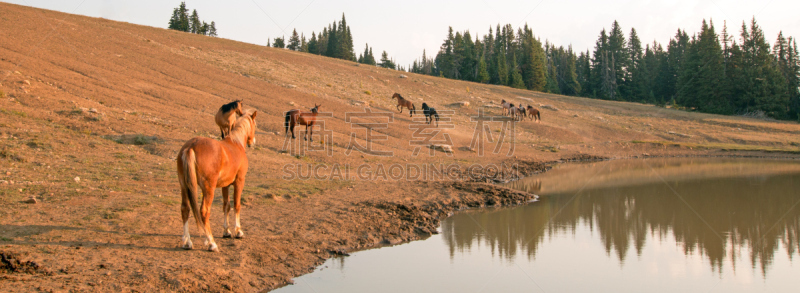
402	102
534	113
210	164
294	117
225	117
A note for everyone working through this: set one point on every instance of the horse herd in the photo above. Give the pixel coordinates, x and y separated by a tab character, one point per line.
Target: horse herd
205	164
519	113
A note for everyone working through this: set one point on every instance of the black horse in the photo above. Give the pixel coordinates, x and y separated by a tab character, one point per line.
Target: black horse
430	113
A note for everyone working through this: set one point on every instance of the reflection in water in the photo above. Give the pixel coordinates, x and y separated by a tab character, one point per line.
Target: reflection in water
747	209
685	225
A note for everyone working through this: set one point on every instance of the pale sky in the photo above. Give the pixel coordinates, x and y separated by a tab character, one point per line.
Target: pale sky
405	28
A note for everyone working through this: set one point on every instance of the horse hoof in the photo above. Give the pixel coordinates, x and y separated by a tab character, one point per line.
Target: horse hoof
226	235
187	246
240	235
213	248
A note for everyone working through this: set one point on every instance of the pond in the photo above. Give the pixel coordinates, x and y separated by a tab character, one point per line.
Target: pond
668	225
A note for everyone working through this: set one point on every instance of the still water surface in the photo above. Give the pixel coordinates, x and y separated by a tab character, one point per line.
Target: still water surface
656	225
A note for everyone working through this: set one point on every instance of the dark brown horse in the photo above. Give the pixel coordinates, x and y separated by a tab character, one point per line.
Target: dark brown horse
534	113
226	117
208	164
430	113
402	102
294	117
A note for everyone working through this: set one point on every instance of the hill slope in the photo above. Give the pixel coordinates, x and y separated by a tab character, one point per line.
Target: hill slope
92	113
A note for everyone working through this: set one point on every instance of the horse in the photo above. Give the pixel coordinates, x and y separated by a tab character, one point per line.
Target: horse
210	164
402	102
521	112
225	117
294	117
513	111
534	113
430	113
506	107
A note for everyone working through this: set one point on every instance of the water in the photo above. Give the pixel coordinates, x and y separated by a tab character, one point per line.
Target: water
657	225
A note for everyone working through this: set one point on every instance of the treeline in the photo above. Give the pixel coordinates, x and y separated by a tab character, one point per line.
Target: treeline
335	41
707	72
182	21
505	58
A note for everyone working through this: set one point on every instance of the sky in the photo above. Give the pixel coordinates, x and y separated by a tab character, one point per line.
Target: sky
405	28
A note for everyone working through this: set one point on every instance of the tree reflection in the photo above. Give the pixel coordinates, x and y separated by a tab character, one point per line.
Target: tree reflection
721	218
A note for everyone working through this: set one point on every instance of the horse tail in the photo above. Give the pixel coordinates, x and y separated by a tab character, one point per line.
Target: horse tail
413	109
190	179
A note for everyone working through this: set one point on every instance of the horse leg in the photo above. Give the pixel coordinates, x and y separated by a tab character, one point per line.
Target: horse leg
205	213
238	185
310	130
186	240
399	109
291	128
305	135
226	208
222	132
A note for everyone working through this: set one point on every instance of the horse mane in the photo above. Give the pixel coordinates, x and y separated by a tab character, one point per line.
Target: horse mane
398	95
229	106
425	106
244	125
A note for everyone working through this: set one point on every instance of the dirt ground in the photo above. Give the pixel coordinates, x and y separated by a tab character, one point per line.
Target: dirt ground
93	112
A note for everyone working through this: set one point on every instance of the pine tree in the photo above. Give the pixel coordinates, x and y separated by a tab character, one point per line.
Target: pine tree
294	41
370	59
386	62
212	29
203	29
180	19
483	73
761	87
603	71
279	43
183	18
583	71
533	61
444	59
322	42
701	82
333	42
515	76
551	85
195	26
636	71
367	57
617	50
676	51
174	21
786	59
793	79
312	44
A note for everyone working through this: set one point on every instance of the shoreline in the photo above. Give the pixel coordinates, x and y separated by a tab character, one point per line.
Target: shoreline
427	219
